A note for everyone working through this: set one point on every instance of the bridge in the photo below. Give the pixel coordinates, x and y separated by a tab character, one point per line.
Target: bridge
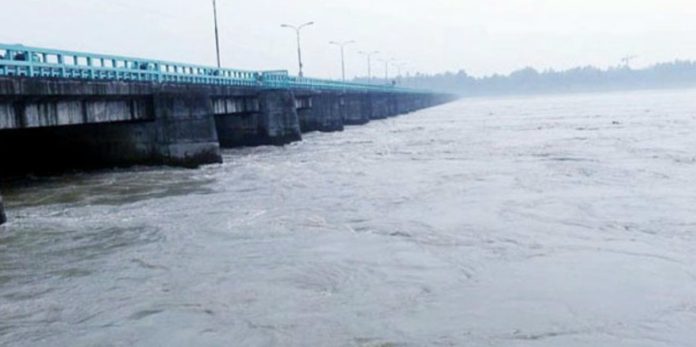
62	110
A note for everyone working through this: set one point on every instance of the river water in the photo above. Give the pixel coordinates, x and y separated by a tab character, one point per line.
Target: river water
541	221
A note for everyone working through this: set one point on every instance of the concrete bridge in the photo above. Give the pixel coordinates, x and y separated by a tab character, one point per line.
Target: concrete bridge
68	110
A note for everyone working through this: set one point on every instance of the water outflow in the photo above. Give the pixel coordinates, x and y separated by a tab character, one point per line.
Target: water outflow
554	221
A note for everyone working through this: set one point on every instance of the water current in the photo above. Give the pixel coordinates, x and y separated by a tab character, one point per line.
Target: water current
527	221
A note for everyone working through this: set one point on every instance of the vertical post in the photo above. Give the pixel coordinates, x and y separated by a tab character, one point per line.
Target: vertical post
90	66
297	30
369	55
217	36
30	60
299	51
61	62
343	63
342	45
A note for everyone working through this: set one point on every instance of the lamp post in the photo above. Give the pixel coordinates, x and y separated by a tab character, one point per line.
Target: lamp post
399	67
297	30
369	62
386	68
343	45
217	36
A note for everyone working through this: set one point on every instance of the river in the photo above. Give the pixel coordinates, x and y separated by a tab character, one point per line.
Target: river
526	221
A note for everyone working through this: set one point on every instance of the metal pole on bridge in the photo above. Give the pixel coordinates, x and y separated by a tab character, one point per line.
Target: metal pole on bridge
399	66
369	63
343	45
386	68
217	36
299	47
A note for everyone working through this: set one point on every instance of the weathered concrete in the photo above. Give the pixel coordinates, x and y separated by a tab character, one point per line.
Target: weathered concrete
179	131
379	104
185	129
325	113
356	109
34	113
273	120
278	120
3	217
236	119
54	125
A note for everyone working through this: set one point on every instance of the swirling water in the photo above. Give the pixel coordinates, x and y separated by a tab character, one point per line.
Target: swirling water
541	221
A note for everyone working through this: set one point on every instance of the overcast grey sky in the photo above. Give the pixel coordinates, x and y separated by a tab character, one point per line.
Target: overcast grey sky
480	36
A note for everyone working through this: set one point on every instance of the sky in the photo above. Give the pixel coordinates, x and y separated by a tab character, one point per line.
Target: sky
482	37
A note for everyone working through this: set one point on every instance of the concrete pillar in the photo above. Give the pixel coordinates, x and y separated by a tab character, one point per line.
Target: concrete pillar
412	103
379	105
356	109
278	123
268	118
325	113
393	105
180	132
367	106
407	103
400	104
185	129
3	217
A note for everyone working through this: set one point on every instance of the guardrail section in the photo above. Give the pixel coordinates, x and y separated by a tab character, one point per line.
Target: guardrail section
19	60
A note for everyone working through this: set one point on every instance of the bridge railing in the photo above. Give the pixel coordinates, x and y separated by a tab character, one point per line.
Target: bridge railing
315	83
19	60
281	79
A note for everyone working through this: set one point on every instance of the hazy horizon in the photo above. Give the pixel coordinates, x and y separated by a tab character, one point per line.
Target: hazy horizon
480	37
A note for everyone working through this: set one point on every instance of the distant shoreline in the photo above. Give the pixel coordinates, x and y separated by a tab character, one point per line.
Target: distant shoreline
579	91
588	79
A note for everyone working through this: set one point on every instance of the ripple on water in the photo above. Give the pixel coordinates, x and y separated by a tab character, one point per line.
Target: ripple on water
545	221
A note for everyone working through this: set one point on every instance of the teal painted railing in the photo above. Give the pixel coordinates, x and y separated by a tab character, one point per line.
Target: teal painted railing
18	60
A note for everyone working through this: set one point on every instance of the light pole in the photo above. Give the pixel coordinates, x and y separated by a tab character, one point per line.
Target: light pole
369	62
217	36
343	45
399	66
299	47
386	69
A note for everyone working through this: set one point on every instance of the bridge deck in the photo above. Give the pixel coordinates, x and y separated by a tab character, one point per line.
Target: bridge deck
18	60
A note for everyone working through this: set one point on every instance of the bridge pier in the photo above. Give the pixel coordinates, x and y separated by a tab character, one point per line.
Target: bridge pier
325	113
174	128
380	106
278	120
185	130
400	105
356	109
270	119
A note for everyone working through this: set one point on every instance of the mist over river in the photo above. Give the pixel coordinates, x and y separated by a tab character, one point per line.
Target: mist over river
536	221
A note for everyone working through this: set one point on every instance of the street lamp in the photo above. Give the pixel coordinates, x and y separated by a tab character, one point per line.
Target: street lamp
217	36
369	62
399	66
343	45
386	68
299	47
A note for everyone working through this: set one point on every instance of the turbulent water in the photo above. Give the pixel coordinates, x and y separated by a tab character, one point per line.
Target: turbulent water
547	221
